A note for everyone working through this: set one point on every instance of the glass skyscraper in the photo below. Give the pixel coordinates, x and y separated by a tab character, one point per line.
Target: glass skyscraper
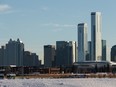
96	48
49	55
14	53
82	42
65	53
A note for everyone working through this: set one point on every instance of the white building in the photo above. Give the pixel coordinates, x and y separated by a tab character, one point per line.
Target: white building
74	50
96	36
82	42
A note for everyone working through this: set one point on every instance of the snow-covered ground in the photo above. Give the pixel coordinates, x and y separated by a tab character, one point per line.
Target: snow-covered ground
76	82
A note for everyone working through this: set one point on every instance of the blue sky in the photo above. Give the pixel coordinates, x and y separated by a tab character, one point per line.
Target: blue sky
42	22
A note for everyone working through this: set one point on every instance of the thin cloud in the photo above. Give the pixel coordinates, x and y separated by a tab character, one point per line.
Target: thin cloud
4	7
60	25
57	30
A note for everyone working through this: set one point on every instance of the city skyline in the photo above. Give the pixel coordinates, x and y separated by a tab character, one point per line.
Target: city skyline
38	23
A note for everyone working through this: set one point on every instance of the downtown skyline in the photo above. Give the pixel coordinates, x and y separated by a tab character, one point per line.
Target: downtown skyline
38	23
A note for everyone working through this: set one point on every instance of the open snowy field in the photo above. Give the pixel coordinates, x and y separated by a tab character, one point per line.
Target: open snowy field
76	82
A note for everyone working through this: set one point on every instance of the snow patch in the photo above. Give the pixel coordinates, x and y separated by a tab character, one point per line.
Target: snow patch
71	82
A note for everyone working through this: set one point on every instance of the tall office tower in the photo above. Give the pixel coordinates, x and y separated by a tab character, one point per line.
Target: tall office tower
49	55
96	36
73	51
2	55
104	50
65	53
113	53
60	59
14	53
82	42
89	51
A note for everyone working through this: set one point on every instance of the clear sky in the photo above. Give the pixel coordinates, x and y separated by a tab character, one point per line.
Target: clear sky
42	22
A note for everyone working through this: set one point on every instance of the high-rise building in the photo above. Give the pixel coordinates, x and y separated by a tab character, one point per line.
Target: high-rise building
89	52
2	55
65	53
73	51
96	49
49	55
104	50
31	59
82	42
113	53
60	53
14	53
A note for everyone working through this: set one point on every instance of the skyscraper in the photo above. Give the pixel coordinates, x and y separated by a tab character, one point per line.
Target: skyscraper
49	55
14	53
89	51
2	55
65	53
104	51
113	53
96	36
72	51
82	42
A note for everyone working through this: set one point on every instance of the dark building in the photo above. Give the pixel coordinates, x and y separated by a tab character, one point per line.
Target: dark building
27	58
60	53
31	59
14	53
65	53
104	51
88	57
49	55
113	53
2	55
35	58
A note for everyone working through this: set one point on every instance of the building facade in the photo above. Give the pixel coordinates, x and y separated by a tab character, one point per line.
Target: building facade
96	36
73	47
113	53
89	52
65	53
104	50
31	59
2	55
14	53
49	55
82	42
